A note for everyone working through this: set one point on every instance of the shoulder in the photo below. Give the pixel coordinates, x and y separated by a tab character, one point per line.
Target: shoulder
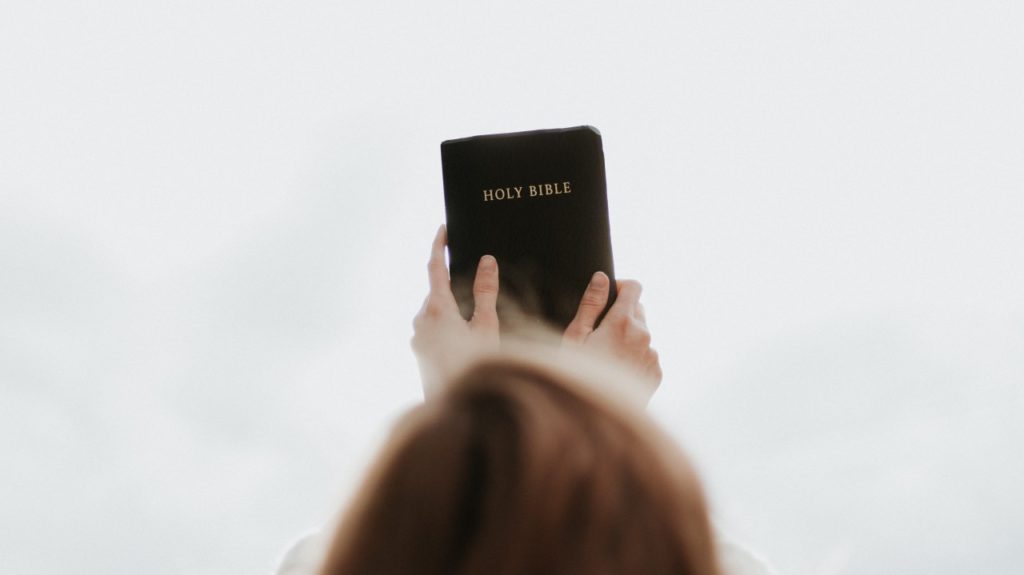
736	559
304	556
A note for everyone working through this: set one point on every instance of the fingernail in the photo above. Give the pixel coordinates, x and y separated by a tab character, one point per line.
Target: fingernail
488	263
599	280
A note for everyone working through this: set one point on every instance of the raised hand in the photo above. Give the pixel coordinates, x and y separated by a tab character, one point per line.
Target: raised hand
623	332
442	339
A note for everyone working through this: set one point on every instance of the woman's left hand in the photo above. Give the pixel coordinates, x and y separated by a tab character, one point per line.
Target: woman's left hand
442	339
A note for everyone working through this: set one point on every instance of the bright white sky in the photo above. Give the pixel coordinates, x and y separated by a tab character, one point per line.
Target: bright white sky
214	220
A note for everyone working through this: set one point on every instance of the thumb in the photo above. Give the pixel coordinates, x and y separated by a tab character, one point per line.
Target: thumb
591	305
485	294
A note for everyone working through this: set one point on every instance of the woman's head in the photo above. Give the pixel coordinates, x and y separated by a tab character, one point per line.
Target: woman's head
517	467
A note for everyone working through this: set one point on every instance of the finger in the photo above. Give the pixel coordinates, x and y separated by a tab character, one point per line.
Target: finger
485	292
628	298
640	313
436	267
654	367
591	305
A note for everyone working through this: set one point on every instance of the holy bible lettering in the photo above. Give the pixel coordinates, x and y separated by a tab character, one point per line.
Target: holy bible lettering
533	191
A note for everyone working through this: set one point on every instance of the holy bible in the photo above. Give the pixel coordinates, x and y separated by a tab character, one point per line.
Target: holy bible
536	201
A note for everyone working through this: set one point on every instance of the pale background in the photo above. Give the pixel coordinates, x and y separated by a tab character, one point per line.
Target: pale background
214	220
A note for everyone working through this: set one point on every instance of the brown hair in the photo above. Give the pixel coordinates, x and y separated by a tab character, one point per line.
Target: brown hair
517	468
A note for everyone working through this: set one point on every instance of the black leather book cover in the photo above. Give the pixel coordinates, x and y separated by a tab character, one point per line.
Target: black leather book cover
536	201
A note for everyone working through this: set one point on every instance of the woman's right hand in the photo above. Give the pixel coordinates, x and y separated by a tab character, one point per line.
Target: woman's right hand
623	332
